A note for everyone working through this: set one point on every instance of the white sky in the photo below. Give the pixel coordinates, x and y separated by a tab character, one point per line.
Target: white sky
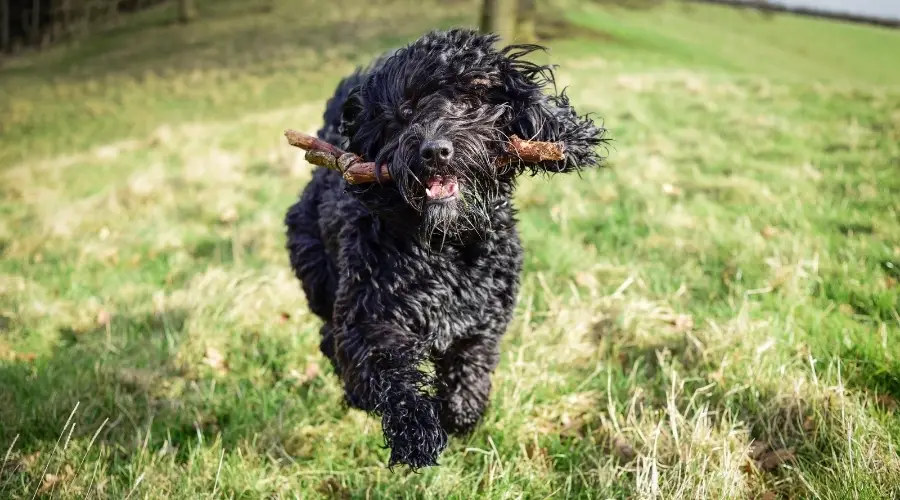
877	8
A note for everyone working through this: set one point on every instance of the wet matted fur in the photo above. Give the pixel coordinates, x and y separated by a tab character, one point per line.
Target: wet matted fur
427	266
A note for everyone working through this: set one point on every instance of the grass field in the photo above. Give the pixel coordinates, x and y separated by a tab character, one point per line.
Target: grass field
717	315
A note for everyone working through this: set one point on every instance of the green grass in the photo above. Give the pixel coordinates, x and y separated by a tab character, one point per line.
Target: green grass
730	282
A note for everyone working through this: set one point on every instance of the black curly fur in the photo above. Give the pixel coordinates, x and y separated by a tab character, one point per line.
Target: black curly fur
399	280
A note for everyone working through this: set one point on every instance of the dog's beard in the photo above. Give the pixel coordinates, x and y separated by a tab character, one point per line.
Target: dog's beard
456	220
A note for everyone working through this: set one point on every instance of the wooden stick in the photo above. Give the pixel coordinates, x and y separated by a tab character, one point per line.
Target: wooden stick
311	143
364	172
534	151
357	171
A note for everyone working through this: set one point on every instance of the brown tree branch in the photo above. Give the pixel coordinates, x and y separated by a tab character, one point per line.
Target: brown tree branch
534	151
357	171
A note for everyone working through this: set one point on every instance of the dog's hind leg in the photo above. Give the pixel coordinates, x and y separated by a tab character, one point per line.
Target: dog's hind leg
327	344
307	252
464	382
381	376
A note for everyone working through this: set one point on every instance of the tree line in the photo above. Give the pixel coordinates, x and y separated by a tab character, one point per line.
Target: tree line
39	23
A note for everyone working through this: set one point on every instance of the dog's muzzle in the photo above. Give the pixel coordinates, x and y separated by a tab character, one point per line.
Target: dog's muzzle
436	154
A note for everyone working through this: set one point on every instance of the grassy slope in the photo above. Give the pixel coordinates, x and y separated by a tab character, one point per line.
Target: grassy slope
733	276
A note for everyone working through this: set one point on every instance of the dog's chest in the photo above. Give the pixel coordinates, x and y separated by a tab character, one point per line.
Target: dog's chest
455	294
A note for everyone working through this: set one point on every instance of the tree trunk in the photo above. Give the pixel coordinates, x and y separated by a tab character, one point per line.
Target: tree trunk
187	11
499	16
525	27
35	21
67	17
4	25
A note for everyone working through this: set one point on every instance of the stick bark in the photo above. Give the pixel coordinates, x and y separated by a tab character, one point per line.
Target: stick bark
356	170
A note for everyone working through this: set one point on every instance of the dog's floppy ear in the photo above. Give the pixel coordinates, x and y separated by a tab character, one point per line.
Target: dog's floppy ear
538	112
350	110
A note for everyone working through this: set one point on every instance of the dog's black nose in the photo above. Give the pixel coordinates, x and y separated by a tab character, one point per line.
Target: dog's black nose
436	151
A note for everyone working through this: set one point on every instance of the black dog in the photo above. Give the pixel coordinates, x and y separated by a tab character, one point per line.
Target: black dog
425	266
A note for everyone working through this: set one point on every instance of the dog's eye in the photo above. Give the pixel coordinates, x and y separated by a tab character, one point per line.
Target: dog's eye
405	111
481	83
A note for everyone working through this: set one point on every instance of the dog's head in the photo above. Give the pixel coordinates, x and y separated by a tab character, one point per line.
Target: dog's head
439	113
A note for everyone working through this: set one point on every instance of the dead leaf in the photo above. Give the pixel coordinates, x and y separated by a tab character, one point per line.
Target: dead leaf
887	401
809	424
51	480
768	232
769	495
890	282
623	449
771	460
207	424
29	460
311	372
757	448
283	317
333	488
137	378
555	212
586	280
682	322
533	451
671	190
228	216
25	356
111	255
103	317
215	359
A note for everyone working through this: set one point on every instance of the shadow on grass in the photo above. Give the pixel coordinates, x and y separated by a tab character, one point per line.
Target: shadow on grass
132	388
105	376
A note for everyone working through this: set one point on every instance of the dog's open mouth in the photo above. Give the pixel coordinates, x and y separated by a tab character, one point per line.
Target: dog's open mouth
441	187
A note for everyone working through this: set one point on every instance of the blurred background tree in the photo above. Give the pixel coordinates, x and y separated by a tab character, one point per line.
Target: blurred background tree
187	11
4	26
525	21
40	23
499	16
511	19
516	20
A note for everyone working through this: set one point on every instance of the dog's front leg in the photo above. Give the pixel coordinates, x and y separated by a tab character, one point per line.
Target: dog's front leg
464	373
379	364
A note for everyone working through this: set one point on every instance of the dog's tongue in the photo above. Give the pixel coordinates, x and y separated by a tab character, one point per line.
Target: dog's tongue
438	187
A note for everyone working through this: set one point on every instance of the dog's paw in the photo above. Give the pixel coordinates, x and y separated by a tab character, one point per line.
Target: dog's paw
459	417
463	407
413	432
